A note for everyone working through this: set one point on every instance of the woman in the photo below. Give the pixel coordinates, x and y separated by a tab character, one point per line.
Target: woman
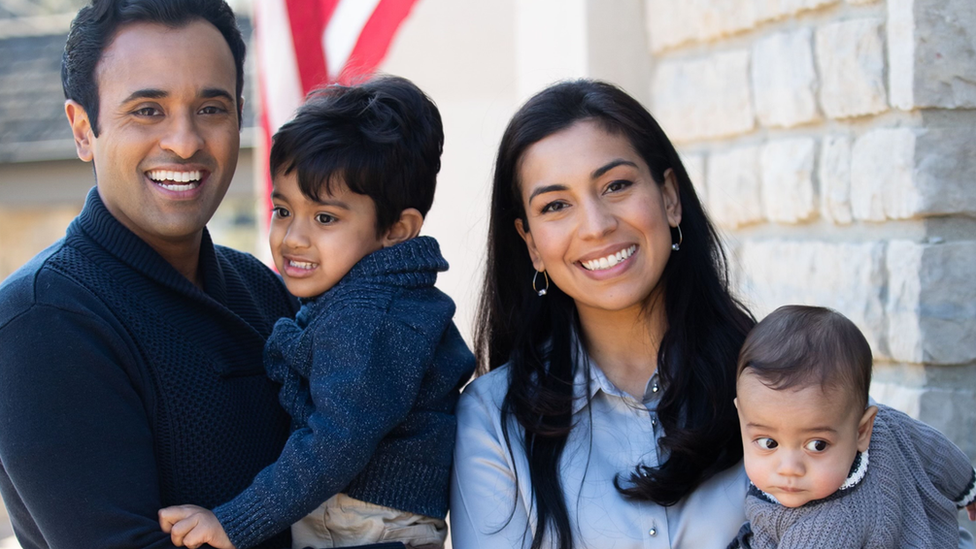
606	299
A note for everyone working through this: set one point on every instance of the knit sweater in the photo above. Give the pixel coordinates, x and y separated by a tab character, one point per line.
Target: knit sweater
124	388
371	372
915	481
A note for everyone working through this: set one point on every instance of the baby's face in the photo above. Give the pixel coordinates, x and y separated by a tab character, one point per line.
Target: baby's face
798	445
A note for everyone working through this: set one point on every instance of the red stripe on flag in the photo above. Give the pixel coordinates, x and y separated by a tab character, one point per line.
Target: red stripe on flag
375	39
308	19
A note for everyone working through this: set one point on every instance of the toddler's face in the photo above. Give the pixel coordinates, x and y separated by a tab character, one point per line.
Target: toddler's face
314	244
799	444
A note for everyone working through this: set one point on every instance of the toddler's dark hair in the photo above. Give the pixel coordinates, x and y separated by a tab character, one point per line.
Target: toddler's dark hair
382	138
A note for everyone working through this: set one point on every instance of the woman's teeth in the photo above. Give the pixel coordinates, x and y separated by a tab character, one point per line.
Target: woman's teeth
608	261
176	181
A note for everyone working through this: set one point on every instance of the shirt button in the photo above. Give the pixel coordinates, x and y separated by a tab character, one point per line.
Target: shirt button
655	388
653	421
652	532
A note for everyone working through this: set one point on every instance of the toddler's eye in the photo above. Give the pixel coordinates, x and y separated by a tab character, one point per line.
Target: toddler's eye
324	218
279	212
766	443
817	445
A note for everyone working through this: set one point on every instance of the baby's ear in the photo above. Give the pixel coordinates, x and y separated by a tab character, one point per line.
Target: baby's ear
405	228
865	427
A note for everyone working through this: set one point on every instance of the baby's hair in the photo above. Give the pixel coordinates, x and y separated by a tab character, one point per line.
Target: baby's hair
797	346
382	138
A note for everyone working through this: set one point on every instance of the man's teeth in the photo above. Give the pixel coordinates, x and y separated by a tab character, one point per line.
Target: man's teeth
176	181
301	264
608	261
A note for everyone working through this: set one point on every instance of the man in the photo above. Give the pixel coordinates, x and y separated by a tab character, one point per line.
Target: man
131	372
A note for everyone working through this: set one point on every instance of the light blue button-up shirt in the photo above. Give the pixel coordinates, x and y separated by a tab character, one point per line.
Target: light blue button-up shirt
491	491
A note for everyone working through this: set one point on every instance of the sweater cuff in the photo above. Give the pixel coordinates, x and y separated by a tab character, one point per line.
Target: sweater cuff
246	520
969	493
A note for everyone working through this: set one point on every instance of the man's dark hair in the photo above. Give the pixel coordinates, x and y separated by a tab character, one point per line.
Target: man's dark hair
796	346
382	138
96	25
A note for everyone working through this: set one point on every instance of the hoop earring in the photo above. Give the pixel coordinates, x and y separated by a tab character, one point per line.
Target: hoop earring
677	245
543	291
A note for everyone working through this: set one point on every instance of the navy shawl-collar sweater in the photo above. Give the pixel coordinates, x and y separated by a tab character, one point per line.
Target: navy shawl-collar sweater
124	388
371	373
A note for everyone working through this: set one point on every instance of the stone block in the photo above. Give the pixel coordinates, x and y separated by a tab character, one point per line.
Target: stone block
931	50
850	60
835	179
903	173
733	184
783	79
694	164
704	98
673	23
881	175
848	277
931	305
788	194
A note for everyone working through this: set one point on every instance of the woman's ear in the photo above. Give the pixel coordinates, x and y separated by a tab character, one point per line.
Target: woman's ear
672	197
865	427
80	129
405	228
530	245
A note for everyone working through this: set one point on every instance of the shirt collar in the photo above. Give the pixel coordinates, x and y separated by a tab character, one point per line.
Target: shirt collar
587	370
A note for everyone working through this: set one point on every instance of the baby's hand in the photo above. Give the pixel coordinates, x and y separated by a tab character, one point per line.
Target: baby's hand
971	510
192	526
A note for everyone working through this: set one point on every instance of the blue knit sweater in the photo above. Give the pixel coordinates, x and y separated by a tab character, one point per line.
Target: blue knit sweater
124	388
371	372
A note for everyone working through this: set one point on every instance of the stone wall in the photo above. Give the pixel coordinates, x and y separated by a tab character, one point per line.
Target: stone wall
832	142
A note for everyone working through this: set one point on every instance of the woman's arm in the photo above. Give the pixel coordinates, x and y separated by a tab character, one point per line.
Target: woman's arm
487	509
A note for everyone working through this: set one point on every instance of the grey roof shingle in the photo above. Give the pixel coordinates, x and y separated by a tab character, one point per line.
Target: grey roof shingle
32	122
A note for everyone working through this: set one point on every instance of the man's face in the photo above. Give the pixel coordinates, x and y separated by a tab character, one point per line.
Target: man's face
169	137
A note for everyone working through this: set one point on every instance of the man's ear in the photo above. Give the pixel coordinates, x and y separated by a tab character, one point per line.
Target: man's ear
405	228
865	427
80	129
530	245
672	197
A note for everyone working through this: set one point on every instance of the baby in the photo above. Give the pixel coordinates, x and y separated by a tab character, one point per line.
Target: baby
827	468
372	365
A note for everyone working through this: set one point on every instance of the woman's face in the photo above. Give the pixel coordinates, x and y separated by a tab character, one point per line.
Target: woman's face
598	223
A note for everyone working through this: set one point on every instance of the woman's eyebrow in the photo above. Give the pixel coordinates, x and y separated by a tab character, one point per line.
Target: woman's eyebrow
547	189
609	166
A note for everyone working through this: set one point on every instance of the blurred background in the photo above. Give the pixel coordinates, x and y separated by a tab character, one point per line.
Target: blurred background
831	141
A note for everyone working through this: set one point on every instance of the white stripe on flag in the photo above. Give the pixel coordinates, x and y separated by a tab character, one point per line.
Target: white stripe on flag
343	30
276	55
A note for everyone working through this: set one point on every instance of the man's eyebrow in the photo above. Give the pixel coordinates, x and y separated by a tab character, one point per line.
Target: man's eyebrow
148	93
211	93
609	166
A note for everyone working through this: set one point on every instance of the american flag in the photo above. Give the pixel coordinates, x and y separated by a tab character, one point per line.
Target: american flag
305	44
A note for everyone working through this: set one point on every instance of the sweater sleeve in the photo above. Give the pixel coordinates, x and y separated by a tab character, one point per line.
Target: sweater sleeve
946	465
360	392
75	441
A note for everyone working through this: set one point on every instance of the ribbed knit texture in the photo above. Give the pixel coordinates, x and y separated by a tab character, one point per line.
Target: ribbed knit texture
371	372
146	356
915	481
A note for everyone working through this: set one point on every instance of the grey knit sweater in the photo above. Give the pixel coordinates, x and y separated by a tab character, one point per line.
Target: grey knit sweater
915	482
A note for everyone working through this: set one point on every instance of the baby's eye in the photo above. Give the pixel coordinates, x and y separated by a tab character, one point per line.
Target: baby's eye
766	443
817	445
280	212
324	218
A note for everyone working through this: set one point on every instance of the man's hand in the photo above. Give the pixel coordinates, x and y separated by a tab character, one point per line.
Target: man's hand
192	526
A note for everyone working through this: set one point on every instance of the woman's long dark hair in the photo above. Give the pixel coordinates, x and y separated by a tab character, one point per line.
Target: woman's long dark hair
696	360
